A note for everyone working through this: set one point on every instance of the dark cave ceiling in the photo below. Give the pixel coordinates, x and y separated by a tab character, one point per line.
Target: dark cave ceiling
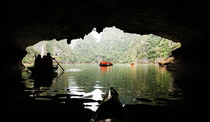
27	22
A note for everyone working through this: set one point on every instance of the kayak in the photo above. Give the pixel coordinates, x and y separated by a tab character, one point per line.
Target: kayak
110	108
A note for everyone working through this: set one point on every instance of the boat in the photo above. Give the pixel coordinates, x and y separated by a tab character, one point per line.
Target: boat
105	63
110	63
43	72
110	109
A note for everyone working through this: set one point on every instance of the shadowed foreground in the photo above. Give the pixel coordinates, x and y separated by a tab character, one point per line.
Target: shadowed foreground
62	107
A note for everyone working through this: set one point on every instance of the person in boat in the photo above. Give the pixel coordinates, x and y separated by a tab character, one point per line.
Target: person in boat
48	61
110	63
103	63
38	61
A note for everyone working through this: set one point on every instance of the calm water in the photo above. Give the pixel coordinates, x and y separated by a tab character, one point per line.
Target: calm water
139	84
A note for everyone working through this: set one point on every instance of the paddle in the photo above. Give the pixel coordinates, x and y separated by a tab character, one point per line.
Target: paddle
58	64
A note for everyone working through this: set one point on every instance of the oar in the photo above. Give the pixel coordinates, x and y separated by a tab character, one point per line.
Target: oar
59	64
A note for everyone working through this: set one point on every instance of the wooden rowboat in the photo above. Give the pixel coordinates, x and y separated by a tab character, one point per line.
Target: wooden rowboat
43	72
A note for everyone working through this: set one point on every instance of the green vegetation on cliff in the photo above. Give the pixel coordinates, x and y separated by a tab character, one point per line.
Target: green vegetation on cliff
111	44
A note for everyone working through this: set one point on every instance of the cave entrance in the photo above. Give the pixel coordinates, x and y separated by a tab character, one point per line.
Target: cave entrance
143	83
112	44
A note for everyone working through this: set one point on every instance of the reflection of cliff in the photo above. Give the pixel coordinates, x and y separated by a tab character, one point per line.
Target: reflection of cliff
166	76
139	81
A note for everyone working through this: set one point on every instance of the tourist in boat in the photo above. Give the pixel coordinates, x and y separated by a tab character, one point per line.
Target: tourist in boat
38	62
110	63
48	61
103	63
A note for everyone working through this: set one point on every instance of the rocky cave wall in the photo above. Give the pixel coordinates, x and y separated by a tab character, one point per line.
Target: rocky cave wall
28	22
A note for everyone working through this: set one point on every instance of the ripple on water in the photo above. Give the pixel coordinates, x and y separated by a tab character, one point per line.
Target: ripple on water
142	84
73	70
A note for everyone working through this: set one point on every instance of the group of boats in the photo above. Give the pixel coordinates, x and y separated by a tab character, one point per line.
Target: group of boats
53	71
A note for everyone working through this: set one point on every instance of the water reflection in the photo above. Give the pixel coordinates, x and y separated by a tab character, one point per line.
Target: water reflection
95	94
138	84
105	68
